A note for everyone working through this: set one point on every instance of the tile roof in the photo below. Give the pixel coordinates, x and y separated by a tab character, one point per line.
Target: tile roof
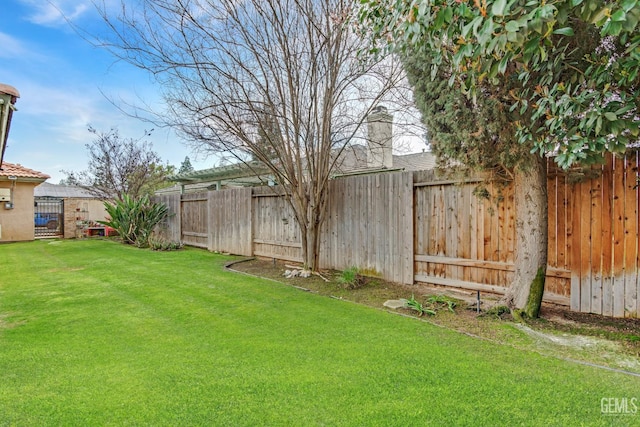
19	171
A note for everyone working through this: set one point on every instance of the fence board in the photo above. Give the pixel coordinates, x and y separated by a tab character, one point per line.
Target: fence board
637	178
563	233
374	219
435	231
618	237
230	221
552	188
479	231
464	236
480	213
171	226
601	280
194	219
631	237
553	284
612	238
585	254
451	228
276	233
576	246
567	192
473	234
509	235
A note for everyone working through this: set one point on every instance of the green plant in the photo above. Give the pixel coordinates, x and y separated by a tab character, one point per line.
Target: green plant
415	305
351	278
135	219
161	244
498	312
442	301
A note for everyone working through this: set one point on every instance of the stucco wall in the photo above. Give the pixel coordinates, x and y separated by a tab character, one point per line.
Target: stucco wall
17	224
83	210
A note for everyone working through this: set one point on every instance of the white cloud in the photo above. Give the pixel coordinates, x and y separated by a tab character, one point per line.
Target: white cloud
14	48
55	12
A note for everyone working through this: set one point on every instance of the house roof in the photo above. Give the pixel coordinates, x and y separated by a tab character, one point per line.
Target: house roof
352	160
415	161
21	173
62	191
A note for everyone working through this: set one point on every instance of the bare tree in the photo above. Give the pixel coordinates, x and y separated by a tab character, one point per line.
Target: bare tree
120	166
277	81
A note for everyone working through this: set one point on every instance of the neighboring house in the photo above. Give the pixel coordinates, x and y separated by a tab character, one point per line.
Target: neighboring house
355	159
377	156
17	185
78	207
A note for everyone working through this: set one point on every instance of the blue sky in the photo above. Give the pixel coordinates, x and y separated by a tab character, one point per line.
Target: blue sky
65	85
63	81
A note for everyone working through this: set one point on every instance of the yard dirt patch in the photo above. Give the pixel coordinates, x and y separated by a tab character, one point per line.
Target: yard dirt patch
588	338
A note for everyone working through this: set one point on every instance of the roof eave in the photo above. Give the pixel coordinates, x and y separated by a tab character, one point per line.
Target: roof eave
24	179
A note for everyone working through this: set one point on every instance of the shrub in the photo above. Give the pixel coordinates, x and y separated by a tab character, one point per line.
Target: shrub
415	305
160	244
438	302
352	279
135	219
498	312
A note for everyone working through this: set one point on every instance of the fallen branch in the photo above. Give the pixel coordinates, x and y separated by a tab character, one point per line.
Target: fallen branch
314	272
321	276
296	267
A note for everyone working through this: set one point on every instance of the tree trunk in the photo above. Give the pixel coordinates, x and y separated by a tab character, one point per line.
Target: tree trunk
309	205
311	254
525	293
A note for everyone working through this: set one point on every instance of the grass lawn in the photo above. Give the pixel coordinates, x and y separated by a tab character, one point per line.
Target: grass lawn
98	333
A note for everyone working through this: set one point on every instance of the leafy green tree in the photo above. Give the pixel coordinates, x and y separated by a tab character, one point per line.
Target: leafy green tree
576	106
465	136
566	69
185	166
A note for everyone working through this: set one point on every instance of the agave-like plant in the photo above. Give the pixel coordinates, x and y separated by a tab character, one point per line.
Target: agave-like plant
135	219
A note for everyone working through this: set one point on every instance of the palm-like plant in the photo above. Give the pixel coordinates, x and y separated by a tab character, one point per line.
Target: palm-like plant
135	219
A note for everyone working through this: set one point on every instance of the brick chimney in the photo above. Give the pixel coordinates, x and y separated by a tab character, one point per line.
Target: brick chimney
380	140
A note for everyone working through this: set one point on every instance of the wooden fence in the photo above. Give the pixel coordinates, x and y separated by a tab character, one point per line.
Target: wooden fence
412	227
601	250
462	240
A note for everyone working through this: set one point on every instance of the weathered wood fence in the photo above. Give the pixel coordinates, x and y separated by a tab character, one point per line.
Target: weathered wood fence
412	227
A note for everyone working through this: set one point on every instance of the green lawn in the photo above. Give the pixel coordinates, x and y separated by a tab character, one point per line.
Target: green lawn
97	333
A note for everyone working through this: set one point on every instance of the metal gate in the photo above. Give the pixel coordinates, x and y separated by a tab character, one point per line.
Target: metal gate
48	217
